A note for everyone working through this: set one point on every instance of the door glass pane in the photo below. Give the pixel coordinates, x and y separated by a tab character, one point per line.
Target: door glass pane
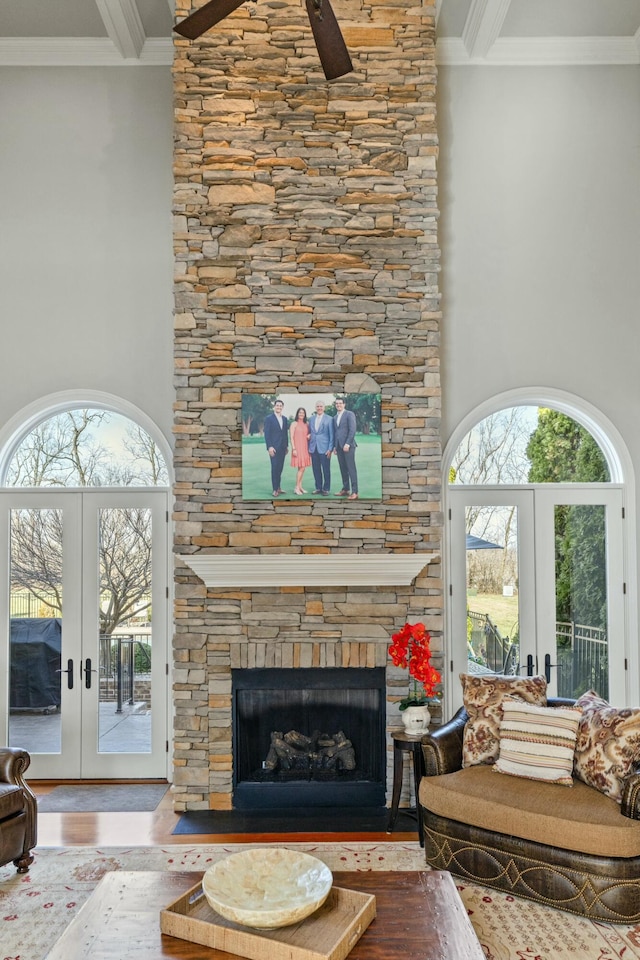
35	637
492	589
124	625
581	599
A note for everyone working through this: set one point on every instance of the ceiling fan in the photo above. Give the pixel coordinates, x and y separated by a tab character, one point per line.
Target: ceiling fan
332	49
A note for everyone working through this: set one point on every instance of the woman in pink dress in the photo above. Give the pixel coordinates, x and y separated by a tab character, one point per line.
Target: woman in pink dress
300	456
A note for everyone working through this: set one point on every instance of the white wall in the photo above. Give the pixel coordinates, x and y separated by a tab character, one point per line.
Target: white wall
85	235
539	179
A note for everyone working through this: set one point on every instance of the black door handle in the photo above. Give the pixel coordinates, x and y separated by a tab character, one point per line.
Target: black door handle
87	673
547	666
69	673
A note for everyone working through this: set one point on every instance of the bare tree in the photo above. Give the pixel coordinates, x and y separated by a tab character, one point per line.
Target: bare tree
60	452
494	452
125	565
124	560
36	556
64	451
148	467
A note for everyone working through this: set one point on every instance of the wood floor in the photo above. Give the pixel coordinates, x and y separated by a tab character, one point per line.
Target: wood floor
152	829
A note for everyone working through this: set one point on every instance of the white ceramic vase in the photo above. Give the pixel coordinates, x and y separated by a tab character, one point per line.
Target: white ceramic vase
416	720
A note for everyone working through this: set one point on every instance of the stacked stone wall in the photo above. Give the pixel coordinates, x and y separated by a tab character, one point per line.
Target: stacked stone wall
306	261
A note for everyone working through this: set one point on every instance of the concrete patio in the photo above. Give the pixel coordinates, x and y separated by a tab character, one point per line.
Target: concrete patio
125	732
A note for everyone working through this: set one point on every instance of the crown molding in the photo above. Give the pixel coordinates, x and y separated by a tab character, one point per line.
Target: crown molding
81	52
542	52
299	570
450	51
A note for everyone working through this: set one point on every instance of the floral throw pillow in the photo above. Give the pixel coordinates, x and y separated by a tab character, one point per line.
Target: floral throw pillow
482	698
608	744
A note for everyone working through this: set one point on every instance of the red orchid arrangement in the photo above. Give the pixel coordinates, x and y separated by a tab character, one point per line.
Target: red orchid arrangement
410	647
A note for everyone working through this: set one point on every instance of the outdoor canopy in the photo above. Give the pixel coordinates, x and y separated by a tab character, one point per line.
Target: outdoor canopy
477	543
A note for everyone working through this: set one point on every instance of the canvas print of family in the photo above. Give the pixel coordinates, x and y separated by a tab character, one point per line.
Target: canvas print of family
311	445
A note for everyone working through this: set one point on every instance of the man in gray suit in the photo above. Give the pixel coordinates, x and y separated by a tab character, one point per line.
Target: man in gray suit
321	445
345	433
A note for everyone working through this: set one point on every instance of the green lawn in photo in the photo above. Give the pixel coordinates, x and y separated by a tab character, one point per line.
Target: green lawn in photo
256	471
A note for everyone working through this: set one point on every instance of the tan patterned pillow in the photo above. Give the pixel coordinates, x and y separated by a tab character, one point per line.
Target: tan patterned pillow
537	742
482	698
608	744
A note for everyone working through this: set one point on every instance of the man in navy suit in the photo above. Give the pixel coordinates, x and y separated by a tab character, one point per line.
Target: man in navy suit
276	437
344	424
321	445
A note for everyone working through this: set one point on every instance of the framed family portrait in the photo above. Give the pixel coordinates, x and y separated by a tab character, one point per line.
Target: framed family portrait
311	445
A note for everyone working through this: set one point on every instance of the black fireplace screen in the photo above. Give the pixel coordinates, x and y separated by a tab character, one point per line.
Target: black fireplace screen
313	736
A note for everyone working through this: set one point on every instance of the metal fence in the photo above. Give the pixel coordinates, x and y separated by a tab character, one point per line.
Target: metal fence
123	658
581	654
488	647
582	658
26	605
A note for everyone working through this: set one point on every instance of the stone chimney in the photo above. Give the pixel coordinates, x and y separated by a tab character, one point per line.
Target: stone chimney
306	260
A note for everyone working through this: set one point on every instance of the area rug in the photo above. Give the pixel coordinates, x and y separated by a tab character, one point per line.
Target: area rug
296	820
103	798
513	929
35	908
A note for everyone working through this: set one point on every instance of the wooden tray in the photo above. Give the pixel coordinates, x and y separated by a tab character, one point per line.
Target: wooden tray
328	934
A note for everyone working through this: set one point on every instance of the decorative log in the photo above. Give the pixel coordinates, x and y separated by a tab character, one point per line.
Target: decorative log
320	751
298	740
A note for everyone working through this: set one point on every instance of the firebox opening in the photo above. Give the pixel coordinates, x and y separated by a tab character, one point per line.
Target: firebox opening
313	737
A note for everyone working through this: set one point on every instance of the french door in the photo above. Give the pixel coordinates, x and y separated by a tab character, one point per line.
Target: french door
83	614
537	586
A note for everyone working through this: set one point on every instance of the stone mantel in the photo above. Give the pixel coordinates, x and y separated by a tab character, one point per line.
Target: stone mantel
293	570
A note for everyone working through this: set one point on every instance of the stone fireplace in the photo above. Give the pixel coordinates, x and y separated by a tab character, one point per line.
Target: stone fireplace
306	261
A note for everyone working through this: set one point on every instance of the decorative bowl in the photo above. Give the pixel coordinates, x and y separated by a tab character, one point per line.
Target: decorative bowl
267	888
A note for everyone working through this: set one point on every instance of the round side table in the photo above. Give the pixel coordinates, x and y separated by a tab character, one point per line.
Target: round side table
406	743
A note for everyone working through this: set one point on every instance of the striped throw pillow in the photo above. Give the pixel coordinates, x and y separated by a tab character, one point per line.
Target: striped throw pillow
538	742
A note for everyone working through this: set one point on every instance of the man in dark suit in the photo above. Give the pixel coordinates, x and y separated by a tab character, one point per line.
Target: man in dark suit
344	424
276	437
321	447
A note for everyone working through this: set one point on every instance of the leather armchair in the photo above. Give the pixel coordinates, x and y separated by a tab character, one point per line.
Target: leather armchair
18	810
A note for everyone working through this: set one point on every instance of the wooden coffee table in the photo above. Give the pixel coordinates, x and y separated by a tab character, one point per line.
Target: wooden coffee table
419	915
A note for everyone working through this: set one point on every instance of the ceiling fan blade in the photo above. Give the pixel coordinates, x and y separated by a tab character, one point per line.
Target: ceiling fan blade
332	49
206	17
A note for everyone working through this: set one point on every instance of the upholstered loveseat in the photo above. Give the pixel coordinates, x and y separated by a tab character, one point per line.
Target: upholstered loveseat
574	848
18	810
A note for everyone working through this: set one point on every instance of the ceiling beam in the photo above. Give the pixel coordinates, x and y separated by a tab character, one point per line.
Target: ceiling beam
124	26
483	25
